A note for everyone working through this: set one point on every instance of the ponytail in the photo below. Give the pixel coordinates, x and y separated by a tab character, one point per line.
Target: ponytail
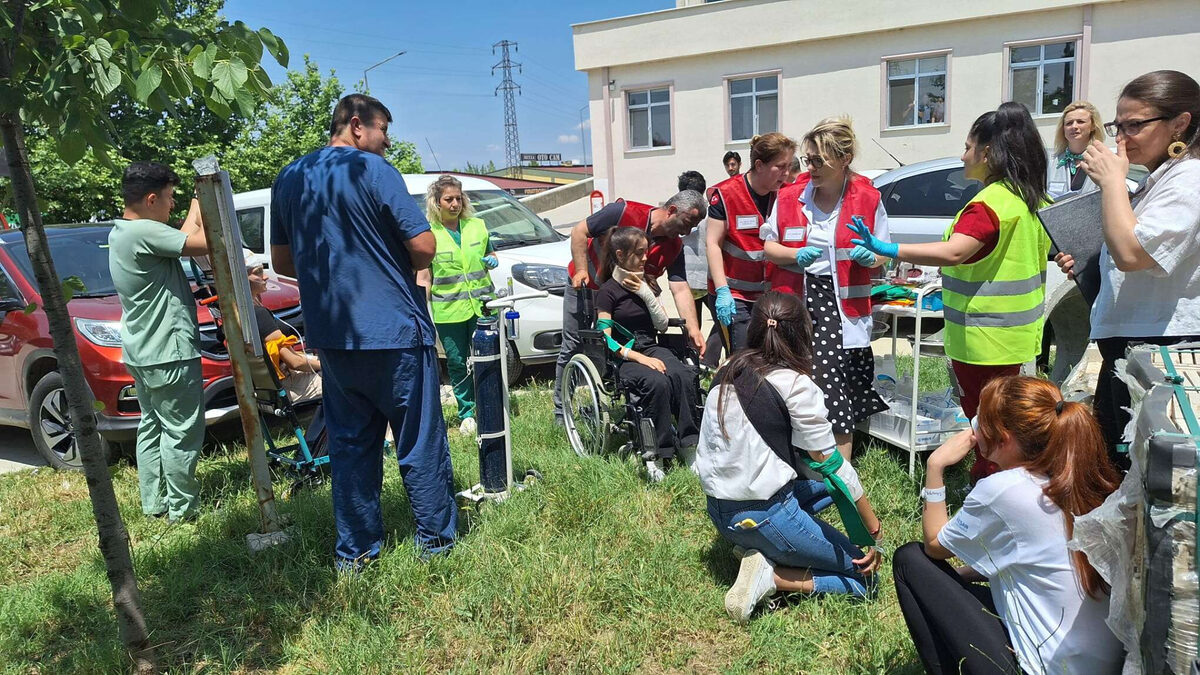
1014	151
1060	440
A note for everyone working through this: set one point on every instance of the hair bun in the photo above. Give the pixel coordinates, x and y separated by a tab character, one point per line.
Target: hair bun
755	138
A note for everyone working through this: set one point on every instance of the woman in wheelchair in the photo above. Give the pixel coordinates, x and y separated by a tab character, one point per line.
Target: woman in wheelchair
654	378
756	445
300	372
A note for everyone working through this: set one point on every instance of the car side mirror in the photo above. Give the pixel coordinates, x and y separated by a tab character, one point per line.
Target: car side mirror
547	221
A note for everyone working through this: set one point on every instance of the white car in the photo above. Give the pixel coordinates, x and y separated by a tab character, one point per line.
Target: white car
531	253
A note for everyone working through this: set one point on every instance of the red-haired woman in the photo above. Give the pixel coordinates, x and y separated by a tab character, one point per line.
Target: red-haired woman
1046	607
737	208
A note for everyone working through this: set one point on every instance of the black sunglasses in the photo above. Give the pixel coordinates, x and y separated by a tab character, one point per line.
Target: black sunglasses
814	161
1131	127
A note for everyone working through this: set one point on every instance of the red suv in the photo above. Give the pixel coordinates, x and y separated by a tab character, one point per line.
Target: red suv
31	390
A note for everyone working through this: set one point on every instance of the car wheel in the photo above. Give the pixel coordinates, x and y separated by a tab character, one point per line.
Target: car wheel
514	364
50	424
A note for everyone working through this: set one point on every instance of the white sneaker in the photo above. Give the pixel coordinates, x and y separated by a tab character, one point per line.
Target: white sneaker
467	427
654	468
755	582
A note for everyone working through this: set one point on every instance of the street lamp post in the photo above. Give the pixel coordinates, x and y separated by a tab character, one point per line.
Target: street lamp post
583	132
367	85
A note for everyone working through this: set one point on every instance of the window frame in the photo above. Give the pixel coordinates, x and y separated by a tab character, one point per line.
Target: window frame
727	81
1077	60
262	236
648	107
885	92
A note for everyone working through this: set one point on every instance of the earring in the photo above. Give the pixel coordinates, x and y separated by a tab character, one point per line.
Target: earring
1176	149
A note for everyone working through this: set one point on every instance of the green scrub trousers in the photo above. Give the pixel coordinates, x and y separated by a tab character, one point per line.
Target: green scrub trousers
170	434
456	342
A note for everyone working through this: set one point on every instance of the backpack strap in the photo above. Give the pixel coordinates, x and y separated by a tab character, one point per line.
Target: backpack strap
768	414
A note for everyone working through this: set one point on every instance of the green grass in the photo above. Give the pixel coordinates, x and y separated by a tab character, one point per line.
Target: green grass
590	570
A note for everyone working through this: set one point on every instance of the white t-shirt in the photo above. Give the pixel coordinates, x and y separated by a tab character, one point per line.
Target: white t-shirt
1011	533
1165	299
742	466
822	228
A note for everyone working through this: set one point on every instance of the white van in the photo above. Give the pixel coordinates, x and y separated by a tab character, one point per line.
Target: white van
531	253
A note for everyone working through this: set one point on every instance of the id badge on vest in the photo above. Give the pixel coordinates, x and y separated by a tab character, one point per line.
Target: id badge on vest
795	233
746	223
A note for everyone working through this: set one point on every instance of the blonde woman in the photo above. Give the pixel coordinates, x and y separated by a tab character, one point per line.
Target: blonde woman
456	281
808	240
1078	127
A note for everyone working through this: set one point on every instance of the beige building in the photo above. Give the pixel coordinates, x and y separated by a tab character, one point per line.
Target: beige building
675	89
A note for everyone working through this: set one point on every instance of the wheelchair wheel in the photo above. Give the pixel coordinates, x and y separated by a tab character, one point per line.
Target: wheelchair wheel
584	413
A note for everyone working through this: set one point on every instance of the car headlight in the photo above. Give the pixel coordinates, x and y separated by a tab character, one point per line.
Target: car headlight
103	333
541	277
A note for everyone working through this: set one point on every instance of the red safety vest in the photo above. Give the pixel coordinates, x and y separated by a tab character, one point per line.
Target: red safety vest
854	280
659	256
742	251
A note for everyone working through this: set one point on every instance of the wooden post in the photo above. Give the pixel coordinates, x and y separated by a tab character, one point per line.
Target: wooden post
212	189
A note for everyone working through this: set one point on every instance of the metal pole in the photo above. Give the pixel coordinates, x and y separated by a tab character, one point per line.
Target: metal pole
583	132
367	85
209	190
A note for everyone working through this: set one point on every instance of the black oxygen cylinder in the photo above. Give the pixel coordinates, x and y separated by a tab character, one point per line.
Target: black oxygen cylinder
489	405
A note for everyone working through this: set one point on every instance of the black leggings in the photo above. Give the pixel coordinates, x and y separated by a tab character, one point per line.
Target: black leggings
953	622
668	399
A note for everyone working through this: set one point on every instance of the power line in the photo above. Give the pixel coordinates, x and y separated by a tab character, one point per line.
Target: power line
512	143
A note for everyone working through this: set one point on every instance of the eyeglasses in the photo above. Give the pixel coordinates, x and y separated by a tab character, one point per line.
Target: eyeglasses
1131	127
814	161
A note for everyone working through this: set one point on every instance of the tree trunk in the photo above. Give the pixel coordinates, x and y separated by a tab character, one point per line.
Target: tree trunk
114	540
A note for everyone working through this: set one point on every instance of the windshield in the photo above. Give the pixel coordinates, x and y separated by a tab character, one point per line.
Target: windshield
509	223
77	253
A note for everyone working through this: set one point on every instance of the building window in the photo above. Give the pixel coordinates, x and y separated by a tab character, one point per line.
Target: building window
1042	76
649	118
916	91
753	107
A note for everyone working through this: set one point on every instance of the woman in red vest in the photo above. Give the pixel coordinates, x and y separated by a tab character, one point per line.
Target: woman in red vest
807	242
737	208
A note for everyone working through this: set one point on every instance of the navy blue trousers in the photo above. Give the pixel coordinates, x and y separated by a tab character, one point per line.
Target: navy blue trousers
365	390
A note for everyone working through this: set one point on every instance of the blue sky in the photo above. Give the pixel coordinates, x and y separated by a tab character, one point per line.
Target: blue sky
441	91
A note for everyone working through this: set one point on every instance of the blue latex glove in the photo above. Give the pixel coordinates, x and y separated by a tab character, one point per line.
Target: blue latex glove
870	242
862	256
807	255
725	306
490	262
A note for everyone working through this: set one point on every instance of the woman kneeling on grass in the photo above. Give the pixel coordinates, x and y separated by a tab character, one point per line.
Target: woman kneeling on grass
1046	604
752	439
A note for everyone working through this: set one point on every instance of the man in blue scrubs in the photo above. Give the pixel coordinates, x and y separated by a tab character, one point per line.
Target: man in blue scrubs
343	224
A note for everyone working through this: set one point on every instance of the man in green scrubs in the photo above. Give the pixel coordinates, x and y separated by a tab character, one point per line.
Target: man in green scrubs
160	336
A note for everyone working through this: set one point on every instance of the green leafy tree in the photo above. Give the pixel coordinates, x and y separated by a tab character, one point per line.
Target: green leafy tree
293	122
63	64
482	169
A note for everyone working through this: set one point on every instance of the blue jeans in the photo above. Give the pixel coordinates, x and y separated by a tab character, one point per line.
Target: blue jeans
789	535
365	391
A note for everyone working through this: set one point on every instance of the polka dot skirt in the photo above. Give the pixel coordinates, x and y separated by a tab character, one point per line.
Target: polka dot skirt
844	375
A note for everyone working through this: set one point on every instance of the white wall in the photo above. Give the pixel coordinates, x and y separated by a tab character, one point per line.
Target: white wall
843	76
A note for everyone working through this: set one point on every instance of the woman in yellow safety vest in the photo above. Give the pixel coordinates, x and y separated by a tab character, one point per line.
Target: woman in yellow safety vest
993	257
457	279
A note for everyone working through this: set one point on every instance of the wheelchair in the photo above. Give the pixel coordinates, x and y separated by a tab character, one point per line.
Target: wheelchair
307	460
600	414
